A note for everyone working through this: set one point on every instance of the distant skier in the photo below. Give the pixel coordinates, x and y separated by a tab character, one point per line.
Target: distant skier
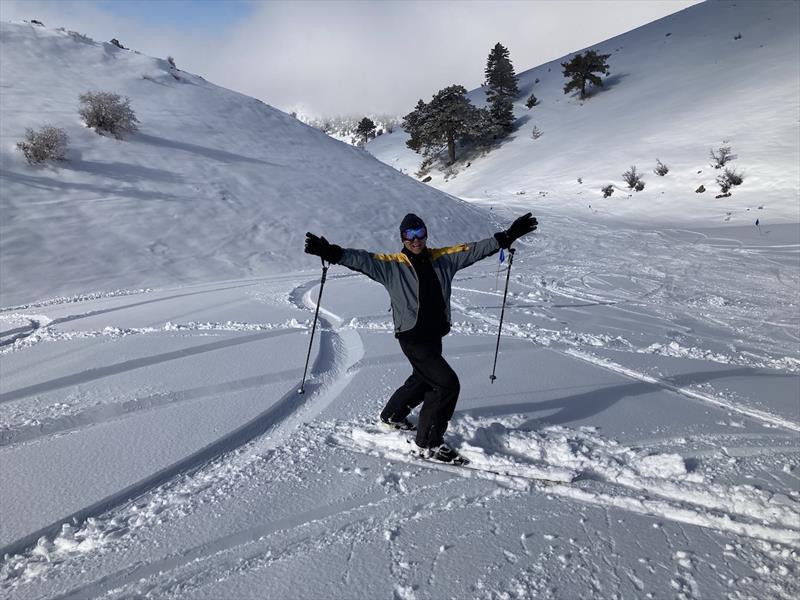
419	280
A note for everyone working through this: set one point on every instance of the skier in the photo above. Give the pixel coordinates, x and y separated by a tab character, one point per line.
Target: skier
419	280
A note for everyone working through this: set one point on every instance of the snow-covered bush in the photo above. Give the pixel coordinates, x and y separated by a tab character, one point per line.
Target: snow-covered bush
49	143
700	190
639	186
661	169
117	43
531	101
728	179
607	190
107	112
721	157
536	133
632	178
171	62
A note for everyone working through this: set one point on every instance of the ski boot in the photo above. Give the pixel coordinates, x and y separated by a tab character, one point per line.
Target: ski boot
443	453
402	425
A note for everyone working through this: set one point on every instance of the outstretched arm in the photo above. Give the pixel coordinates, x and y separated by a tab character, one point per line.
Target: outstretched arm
319	246
464	255
356	260
521	226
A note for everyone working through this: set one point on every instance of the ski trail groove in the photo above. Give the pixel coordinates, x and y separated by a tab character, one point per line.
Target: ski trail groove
330	373
762	416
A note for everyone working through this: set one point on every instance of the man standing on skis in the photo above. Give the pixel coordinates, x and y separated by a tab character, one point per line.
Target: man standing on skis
419	280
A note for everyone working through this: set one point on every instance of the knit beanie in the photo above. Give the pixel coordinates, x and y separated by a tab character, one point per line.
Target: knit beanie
411	221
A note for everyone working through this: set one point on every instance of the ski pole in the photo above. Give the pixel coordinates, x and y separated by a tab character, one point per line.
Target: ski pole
511	251
302	389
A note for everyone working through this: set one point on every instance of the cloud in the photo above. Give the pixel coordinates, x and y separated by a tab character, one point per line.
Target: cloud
351	57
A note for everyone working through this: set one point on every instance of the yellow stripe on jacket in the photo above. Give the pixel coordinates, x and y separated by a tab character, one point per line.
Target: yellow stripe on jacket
439	252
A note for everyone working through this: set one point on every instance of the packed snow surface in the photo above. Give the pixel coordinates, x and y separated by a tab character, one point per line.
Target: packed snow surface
642	439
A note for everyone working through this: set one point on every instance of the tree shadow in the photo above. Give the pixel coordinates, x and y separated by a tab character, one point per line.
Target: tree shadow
130	365
123	171
54	185
609	83
212	153
576	407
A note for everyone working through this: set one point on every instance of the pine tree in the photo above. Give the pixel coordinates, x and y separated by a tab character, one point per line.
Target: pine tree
448	118
412	123
501	88
582	68
366	128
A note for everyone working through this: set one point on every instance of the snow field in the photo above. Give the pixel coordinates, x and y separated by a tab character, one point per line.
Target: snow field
686	481
154	333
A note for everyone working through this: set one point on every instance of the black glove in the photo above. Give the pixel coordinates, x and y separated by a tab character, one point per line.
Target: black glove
319	246
522	226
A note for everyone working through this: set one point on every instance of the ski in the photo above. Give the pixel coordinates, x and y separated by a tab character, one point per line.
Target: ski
378	441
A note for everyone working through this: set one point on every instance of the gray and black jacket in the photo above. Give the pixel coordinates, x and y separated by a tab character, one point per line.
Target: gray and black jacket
396	273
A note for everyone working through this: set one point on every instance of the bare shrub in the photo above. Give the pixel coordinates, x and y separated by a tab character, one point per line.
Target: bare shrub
661	169
607	190
632	177
107	112
424	167
729	179
49	143
721	157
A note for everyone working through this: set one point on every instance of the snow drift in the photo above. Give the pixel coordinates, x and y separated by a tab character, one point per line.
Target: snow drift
214	185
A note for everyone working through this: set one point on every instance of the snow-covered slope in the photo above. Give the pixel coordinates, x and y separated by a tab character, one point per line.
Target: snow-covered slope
153	443
678	87
214	185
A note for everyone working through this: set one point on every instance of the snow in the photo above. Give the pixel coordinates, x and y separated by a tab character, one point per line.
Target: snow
678	87
641	439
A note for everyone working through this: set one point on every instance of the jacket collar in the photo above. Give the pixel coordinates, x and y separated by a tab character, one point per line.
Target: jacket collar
415	258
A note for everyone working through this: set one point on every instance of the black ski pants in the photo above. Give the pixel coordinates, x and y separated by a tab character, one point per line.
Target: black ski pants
433	383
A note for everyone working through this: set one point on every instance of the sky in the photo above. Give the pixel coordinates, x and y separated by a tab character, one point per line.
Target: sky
331	57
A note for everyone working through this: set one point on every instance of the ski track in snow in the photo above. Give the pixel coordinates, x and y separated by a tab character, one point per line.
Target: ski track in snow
500	452
752	513
330	372
740	511
513	330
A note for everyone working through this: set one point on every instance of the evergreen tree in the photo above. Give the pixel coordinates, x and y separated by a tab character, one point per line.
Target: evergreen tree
366	128
412	123
582	68
449	117
501	88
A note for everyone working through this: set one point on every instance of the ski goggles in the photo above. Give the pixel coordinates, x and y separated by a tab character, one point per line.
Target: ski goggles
411	234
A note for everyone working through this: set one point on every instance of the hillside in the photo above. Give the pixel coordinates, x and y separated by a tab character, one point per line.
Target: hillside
214	185
717	73
640	439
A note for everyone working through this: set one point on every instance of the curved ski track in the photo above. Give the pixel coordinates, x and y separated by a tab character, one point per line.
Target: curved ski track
338	352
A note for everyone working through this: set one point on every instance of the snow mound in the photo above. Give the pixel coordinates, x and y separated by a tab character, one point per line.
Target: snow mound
215	185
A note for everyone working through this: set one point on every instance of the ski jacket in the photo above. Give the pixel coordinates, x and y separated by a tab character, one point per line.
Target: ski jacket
396	273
